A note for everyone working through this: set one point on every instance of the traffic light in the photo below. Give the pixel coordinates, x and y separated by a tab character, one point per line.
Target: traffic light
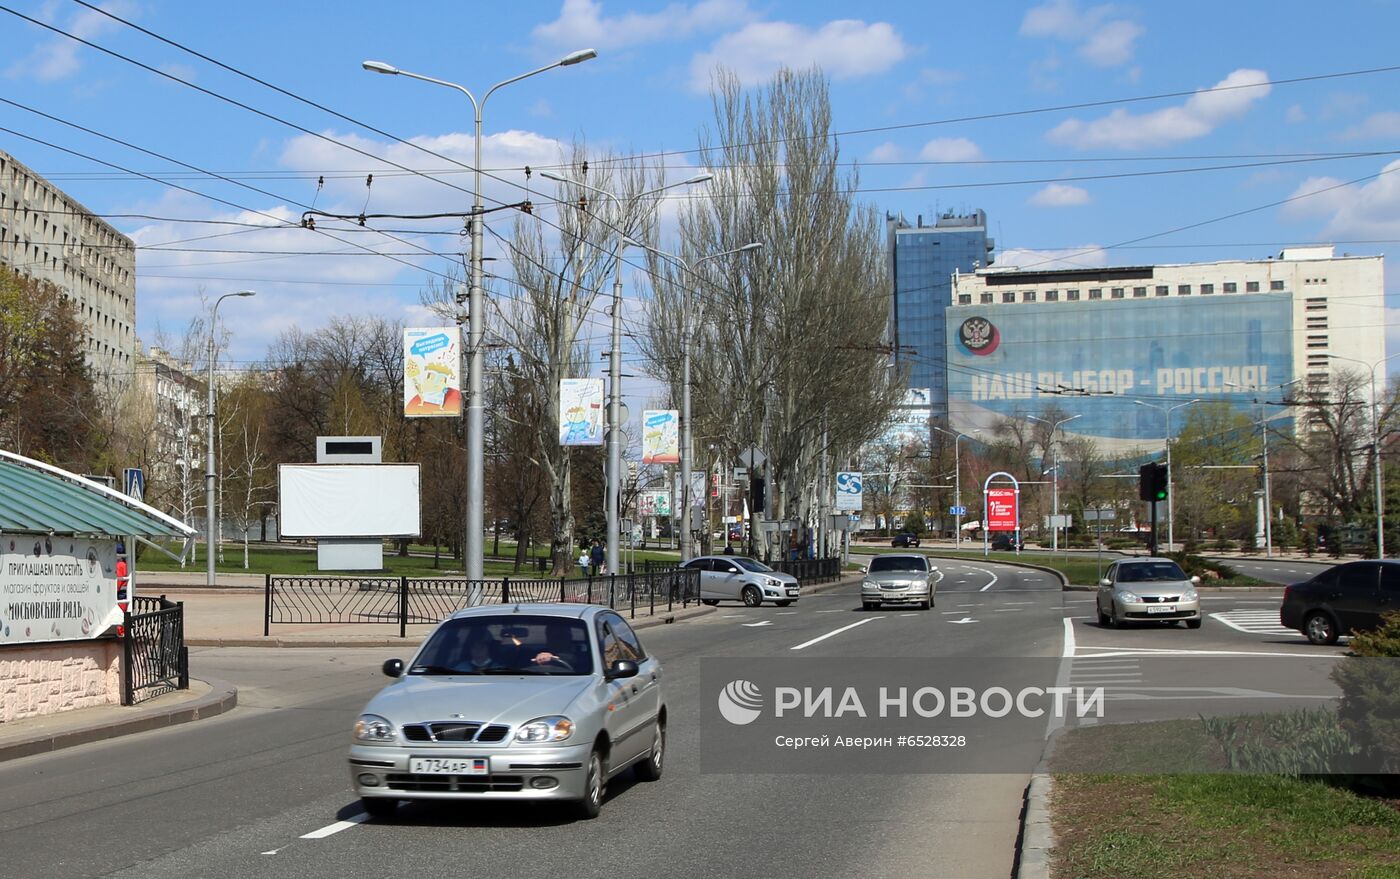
1152	482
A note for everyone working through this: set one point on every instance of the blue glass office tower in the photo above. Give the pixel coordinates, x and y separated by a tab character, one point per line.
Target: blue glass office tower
922	261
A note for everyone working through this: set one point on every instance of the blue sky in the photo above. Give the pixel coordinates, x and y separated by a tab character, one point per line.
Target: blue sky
914	65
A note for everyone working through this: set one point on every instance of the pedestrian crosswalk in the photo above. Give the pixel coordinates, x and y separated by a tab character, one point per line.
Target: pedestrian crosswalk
1263	621
1106	671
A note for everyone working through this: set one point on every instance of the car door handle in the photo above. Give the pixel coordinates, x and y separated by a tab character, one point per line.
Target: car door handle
634	689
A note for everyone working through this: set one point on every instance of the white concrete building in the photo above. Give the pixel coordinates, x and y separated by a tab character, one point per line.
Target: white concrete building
48	235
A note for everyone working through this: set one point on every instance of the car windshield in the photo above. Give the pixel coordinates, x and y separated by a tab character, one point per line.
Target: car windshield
507	644
897	563
1148	572
751	565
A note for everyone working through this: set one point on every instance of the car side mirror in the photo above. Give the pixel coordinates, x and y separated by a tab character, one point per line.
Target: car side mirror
1105	582
393	668
622	668
865	569
1195	581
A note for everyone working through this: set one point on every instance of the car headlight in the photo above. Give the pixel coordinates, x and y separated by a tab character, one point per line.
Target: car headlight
372	729
1189	595
1129	597
545	729
867	584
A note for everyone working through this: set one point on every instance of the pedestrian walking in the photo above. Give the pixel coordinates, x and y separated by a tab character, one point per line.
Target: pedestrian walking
597	556
583	561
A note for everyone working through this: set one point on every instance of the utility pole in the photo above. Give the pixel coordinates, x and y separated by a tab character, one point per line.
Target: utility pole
1055	486
211	506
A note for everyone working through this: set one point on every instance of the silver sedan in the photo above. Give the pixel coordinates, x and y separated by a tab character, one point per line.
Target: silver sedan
898	578
530	702
1148	590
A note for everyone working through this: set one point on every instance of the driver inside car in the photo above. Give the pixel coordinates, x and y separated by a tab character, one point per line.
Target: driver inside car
559	649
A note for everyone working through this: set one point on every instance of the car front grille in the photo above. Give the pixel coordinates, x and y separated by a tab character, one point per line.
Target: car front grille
455	731
466	784
1161	599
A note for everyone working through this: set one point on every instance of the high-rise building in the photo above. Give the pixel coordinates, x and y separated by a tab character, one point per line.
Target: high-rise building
922	261
171	399
1117	346
48	235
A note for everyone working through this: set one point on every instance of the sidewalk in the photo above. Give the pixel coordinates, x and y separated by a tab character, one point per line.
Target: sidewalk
232	616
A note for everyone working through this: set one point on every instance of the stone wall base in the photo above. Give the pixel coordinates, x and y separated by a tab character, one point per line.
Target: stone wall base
37	679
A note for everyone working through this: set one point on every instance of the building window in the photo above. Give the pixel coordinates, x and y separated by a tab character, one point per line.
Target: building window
1275	285
1096	293
1251	286
1072	295
986	299
1207	289
1052	295
1139	292
1008	296
1230	287
964	298
1183	290
1163	289
1028	296
1116	293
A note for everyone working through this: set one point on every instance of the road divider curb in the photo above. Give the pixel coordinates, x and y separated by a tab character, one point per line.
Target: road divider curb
1037	837
222	697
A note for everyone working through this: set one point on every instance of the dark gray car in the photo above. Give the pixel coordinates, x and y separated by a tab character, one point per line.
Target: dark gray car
527	702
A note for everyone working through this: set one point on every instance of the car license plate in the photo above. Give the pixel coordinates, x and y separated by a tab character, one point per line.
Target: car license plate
1162	608
792	590
449	765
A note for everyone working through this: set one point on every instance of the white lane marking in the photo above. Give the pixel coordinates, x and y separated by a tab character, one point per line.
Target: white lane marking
786	613
1006	610
846	628
989	574
838	610
1152	651
1253	622
731	616
1017	602
950	612
963	620
970	605
757	624
332	829
1068	649
911	614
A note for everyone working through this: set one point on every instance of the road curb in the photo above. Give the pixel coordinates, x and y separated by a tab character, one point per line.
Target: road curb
221	697
1037	837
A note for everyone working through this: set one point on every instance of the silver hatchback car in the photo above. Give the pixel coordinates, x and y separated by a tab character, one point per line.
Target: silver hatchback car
516	702
1150	589
897	578
739	578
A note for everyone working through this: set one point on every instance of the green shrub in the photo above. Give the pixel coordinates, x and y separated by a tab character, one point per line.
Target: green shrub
1370	705
1196	566
1308	742
1223	544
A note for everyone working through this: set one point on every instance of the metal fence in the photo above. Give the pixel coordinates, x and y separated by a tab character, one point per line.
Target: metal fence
808	571
154	657
427	600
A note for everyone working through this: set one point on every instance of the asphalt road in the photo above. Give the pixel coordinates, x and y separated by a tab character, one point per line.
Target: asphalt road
237	795
1282	571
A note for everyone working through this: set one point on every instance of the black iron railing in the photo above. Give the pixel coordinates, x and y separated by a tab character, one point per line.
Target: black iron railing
810	571
428	600
154	657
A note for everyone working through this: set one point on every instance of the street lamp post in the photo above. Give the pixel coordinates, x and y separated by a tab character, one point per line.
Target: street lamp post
211	513
957	482
686	342
614	467
1171	518
476	307
1264	435
1375	449
1054	485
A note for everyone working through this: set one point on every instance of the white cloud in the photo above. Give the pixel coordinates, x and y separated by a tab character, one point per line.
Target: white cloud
1089	256
581	23
57	59
887	152
1104	38
950	149
1357	211
1377	126
1199	116
1295	114
843	49
1060	195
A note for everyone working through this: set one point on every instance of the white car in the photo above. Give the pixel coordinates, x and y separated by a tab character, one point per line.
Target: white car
738	578
898	578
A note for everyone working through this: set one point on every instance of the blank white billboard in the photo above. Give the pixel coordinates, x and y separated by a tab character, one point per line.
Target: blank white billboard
349	500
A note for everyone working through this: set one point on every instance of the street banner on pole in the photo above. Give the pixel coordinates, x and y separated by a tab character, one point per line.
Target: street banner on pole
432	372
654	503
581	412
849	491
1001	509
661	436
